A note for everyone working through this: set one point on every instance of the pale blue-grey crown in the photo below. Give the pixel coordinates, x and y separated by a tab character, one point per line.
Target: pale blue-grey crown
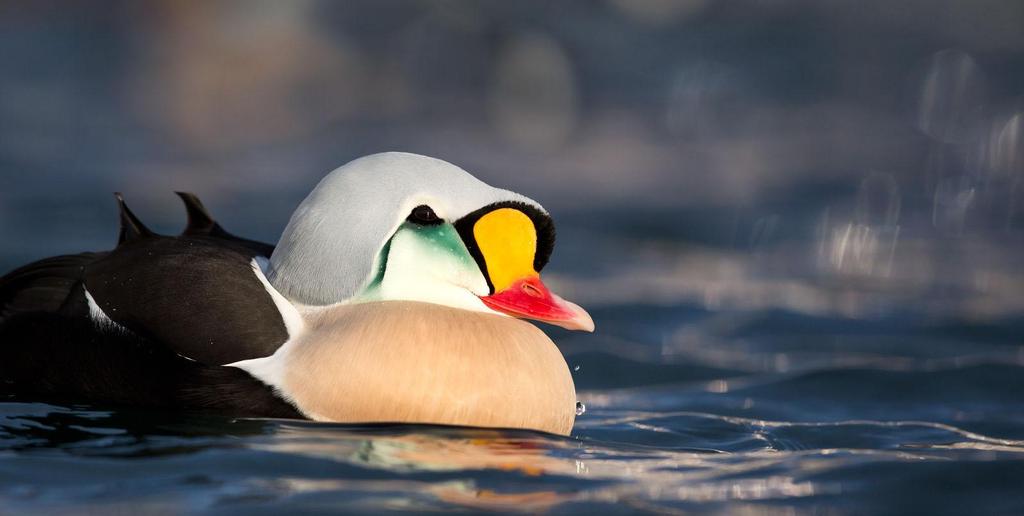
328	251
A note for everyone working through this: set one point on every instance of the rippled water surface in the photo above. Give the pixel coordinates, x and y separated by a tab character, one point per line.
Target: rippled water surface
936	428
798	225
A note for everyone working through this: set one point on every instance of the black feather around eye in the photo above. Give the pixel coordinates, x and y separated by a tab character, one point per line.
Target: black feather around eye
542	222
424	216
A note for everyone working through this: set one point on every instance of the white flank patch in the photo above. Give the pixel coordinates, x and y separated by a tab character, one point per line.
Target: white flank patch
271	370
99	317
289	314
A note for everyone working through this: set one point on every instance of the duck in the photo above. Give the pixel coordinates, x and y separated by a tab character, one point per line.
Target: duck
402	290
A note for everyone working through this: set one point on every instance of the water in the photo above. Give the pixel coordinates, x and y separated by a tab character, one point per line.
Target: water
809	414
798	226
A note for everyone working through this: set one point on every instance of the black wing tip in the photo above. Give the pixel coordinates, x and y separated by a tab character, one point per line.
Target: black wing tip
131	227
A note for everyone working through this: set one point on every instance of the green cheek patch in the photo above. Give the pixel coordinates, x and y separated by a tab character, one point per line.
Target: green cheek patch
437	238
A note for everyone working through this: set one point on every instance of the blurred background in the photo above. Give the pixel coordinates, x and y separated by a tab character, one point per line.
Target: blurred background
818	156
799	226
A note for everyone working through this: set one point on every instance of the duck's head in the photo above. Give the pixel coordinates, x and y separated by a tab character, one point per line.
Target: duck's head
404	227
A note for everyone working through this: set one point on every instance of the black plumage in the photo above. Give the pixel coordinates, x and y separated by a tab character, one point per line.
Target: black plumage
201	223
182	306
42	286
61	357
131	227
197	295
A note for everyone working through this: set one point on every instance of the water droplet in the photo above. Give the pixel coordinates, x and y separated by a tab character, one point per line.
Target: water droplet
580	408
576	368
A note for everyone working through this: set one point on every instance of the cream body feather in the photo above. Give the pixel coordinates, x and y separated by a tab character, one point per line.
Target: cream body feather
412	362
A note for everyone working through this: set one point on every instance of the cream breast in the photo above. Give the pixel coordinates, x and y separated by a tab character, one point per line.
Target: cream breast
412	362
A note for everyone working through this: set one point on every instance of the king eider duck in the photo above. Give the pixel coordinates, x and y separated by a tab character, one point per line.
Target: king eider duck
395	294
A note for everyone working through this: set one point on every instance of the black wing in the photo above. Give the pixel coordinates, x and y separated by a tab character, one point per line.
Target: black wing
188	303
198	295
42	286
61	357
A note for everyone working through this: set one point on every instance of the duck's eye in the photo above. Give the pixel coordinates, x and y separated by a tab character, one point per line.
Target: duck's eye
424	216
